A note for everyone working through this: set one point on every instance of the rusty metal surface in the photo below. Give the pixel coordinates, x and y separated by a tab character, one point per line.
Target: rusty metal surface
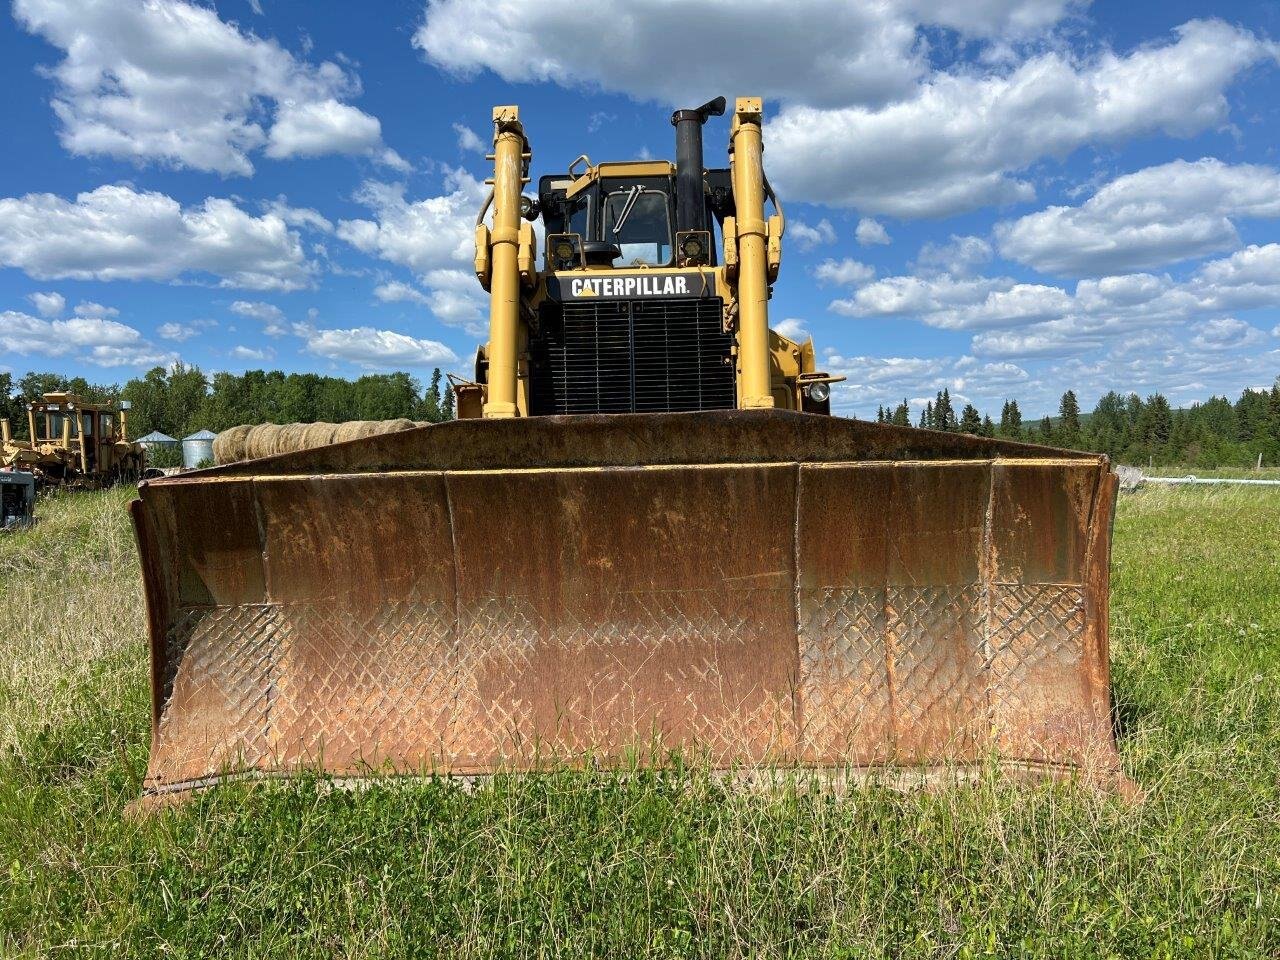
725	436
798	608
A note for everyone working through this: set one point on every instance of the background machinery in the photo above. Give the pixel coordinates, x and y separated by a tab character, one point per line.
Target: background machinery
644	533
72	442
17	498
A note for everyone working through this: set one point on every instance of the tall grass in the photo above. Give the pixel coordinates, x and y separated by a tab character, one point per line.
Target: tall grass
657	864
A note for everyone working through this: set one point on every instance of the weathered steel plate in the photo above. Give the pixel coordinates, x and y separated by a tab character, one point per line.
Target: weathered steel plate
830	595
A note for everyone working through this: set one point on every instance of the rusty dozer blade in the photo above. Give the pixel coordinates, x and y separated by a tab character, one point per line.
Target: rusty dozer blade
757	587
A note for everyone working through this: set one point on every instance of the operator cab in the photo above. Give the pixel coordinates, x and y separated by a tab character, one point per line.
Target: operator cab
644	342
624	219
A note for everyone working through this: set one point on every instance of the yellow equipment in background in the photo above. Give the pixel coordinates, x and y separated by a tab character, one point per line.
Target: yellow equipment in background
645	533
73	442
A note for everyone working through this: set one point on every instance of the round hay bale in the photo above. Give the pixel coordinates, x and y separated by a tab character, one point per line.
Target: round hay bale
317	435
229	445
262	440
286	439
253	443
395	426
351	430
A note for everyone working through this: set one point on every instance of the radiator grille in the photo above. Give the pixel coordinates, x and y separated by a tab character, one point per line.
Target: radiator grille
631	356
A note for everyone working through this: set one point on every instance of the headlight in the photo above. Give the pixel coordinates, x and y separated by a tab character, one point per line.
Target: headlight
819	392
692	245
564	250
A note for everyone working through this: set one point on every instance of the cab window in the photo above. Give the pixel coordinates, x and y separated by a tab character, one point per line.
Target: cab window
645	233
578	216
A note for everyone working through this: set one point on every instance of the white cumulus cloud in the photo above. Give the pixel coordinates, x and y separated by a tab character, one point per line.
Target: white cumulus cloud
397	291
1150	218
1013	319
87	308
793	329
177	332
845	272
1248	278
252	354
268	314
922	296
469	140
169	82
957	256
378	349
1226	333
48	304
960	139
807	237
434	237
871	232
120	233
326	126
453	297
437	232
95	340
814	50
886	381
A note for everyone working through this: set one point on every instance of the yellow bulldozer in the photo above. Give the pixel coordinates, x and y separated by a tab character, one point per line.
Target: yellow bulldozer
73	442
644	536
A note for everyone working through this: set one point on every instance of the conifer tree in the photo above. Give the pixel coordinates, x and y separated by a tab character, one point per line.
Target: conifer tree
944	416
926	416
1011	420
1156	423
431	400
1069	419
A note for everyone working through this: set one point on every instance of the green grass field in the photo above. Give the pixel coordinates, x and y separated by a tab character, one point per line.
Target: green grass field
1234	473
656	865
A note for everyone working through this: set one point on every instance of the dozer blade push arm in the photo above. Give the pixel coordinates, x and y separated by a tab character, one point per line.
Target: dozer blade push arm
747	167
511	161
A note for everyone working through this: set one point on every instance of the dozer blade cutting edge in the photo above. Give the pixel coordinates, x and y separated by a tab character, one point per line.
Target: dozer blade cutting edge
754	587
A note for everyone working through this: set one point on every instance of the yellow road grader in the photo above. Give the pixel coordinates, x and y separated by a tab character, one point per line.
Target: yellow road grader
645	533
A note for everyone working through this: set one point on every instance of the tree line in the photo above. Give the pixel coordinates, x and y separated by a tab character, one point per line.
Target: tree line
1126	427
181	399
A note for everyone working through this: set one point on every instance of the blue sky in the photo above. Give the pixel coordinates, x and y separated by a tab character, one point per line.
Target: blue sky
1003	197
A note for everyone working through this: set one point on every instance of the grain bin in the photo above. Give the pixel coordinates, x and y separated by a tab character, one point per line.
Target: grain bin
198	449
155	440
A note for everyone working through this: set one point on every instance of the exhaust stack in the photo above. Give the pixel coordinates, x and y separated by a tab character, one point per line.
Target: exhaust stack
691	204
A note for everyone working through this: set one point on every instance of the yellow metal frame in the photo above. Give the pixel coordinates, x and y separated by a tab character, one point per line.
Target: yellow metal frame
619	168
71	448
769	367
511	155
746	166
